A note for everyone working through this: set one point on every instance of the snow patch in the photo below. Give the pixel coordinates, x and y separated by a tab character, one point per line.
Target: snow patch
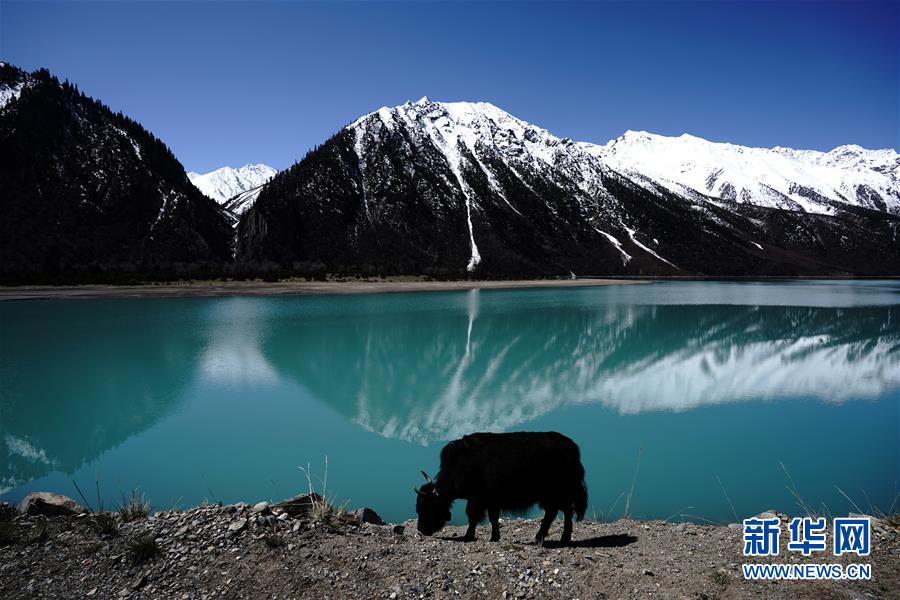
631	233
9	93
23	448
615	242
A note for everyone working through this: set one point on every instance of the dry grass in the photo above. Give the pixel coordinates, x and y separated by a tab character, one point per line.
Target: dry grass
637	467
133	507
143	548
322	510
9	533
104	524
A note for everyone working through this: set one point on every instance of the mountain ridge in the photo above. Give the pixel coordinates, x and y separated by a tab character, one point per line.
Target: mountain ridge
224	183
90	194
448	190
458	178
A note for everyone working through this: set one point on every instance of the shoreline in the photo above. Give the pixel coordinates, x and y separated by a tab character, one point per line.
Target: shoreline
286	288
399	284
258	552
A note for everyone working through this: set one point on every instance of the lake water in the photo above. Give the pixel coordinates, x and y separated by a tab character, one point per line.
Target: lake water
712	385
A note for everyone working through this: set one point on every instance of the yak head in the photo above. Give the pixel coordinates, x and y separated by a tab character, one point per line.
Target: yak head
432	507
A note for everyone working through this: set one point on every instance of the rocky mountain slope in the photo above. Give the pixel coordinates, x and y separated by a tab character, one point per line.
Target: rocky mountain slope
226	184
461	188
88	192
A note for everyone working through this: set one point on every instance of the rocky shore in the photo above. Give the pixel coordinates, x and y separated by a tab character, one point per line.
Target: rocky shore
299	551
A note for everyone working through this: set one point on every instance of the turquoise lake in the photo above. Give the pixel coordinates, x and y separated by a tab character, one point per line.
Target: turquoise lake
716	387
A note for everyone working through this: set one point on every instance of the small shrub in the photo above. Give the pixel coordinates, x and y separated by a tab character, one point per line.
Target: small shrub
274	540
9	533
104	524
7	513
40	533
92	548
134	507
143	548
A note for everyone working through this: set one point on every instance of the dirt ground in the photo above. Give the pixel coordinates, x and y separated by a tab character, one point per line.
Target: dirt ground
238	551
260	288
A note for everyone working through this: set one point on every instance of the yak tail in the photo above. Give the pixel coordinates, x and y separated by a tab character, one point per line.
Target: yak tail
581	500
580	497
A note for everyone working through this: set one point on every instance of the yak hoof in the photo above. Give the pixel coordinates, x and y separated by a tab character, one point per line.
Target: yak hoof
566	540
495	538
539	540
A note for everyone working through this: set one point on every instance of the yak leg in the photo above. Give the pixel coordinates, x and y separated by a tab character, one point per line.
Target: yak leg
549	516
566	538
475	512
494	516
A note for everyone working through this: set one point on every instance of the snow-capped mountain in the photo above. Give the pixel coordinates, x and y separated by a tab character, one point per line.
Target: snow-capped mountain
803	180
224	184
457	187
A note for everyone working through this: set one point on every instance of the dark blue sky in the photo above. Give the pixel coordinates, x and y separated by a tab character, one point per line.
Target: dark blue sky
232	82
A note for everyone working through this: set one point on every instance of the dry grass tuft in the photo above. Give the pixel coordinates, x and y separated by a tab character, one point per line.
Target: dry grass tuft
143	548
133	507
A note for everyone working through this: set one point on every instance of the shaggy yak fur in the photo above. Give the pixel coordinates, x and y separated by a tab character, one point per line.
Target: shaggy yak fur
511	472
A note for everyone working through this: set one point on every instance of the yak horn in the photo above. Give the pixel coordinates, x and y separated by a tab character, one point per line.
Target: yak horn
427	478
418	491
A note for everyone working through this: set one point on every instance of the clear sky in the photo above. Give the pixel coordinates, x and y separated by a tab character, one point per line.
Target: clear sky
227	83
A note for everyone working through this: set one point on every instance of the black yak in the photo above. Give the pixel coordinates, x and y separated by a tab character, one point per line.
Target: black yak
505	472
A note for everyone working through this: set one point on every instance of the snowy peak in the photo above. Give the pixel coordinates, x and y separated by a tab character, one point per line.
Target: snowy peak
223	184
478	144
12	81
801	180
472	123
689	166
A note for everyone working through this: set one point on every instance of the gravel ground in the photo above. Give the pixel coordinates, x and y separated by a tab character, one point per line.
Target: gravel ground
238	551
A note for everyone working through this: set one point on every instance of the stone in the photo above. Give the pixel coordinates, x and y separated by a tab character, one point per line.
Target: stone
271	520
49	504
139	582
771	514
261	507
877	524
398	529
367	515
299	506
238	525
284	516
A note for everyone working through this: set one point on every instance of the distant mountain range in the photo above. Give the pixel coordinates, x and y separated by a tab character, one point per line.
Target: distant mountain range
234	189
459	187
445	189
